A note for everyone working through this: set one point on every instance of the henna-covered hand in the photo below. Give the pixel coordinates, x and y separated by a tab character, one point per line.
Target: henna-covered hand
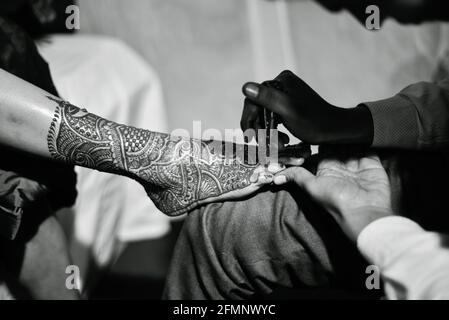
177	173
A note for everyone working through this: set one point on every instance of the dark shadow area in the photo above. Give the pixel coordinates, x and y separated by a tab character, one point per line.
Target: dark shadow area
140	271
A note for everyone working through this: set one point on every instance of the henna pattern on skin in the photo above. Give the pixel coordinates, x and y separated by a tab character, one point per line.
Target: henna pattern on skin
177	173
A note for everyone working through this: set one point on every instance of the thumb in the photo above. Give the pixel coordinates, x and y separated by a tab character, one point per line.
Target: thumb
302	177
267	97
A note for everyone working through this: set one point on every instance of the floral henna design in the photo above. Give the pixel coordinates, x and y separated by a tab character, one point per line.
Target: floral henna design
177	173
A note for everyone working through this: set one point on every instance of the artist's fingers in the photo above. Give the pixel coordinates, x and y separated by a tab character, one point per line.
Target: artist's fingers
275	167
283	163
291	161
262	175
371	161
250	121
289	80
298	175
265	178
267	97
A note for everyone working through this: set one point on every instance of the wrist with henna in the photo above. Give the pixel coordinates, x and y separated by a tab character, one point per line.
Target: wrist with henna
177	173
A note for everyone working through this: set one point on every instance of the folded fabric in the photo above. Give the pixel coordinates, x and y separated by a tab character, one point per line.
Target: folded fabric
16	195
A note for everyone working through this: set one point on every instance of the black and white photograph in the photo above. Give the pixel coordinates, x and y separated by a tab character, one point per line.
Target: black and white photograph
219	158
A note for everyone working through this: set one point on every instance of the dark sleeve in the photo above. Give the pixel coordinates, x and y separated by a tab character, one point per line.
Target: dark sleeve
416	118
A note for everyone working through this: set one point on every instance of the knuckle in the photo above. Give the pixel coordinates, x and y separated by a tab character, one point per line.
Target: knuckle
284	76
286	72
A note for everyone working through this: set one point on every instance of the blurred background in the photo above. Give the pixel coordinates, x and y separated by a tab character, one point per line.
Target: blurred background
204	50
162	64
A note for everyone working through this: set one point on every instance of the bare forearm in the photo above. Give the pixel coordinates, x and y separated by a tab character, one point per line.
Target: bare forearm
25	115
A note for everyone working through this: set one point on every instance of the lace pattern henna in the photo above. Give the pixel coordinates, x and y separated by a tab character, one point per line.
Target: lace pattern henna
177	173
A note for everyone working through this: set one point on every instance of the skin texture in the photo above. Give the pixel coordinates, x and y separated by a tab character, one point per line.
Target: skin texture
355	191
177	173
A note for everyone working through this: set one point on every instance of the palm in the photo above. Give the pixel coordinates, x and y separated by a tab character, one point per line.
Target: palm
350	185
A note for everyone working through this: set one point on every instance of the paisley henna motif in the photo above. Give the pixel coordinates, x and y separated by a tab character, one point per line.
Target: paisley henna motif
177	173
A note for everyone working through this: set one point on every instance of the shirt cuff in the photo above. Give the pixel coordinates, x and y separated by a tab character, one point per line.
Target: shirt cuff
395	123
385	239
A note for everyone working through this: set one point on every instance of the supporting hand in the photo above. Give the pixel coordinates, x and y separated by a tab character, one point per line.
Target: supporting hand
356	192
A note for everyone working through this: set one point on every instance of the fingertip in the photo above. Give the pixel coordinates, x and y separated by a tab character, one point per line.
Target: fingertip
265	178
275	167
292	162
280	179
285	72
251	90
254	177
297	161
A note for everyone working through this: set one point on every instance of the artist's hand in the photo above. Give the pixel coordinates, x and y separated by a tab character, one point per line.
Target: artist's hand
355	192
305	113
